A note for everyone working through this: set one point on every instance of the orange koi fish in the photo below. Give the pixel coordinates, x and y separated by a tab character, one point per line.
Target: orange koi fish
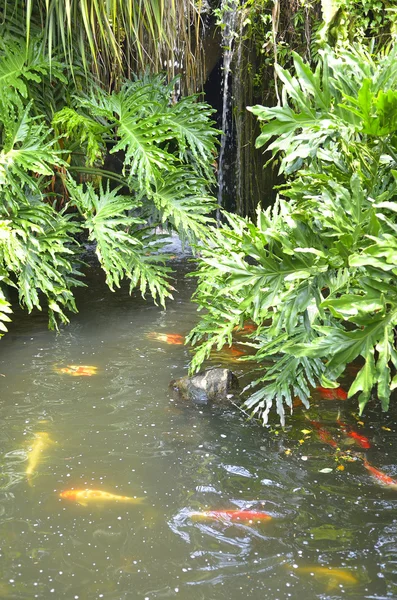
332	393
324	434
84	497
380	476
361	440
247	328
228	353
246	516
78	370
168	338
232	351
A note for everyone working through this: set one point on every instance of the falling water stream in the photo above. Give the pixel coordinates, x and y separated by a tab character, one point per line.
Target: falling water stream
229	24
332	532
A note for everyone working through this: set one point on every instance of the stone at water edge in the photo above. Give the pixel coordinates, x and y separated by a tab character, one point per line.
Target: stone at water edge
210	386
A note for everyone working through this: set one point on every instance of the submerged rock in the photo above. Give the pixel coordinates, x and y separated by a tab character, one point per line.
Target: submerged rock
210	386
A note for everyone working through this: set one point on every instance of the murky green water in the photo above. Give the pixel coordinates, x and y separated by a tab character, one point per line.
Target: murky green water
121	431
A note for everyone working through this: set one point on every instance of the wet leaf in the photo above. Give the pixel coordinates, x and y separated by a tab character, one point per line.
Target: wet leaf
326	470
288	451
306	431
340	467
386	428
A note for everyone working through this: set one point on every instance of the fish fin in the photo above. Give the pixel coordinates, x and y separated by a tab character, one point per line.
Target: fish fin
332	584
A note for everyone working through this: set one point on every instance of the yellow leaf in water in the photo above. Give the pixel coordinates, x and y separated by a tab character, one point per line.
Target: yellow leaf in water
361	422
288	451
340	467
301	441
386	428
306	431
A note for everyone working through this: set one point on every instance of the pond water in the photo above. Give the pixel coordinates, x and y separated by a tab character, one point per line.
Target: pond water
333	531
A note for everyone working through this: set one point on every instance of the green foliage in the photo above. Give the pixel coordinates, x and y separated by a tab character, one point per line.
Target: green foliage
23	69
88	132
167	150
121	248
113	39
317	272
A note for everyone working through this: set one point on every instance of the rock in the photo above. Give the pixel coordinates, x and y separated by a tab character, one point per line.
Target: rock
212	385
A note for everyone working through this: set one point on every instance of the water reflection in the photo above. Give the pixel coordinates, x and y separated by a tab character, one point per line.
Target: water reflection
332	532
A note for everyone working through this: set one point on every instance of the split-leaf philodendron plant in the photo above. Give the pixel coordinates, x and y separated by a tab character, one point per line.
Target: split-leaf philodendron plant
317	272
166	150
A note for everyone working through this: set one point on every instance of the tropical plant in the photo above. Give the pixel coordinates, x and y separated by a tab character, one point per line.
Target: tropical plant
114	39
316	272
167	149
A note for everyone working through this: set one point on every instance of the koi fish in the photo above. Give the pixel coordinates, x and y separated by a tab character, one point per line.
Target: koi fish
233	351
168	338
40	443
228	353
332	393
78	370
84	497
361	440
332	576
247	328
230	515
380	476
324	434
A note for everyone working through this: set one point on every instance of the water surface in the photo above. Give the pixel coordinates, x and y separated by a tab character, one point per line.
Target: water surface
121	431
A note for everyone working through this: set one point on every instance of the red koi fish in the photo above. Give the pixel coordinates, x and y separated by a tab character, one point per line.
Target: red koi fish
324	434
332	393
168	338
380	476
243	516
361	440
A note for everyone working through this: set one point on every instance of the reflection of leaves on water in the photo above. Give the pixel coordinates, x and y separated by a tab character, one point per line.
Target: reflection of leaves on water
237	470
207	489
386	546
217	567
329	537
236	534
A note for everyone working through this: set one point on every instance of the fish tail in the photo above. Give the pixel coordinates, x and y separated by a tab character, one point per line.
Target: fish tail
135	500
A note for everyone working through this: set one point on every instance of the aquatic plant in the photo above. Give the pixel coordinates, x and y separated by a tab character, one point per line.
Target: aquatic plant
316	272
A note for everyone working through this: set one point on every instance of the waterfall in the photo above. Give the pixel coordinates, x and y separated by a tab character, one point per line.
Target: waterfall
228	13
